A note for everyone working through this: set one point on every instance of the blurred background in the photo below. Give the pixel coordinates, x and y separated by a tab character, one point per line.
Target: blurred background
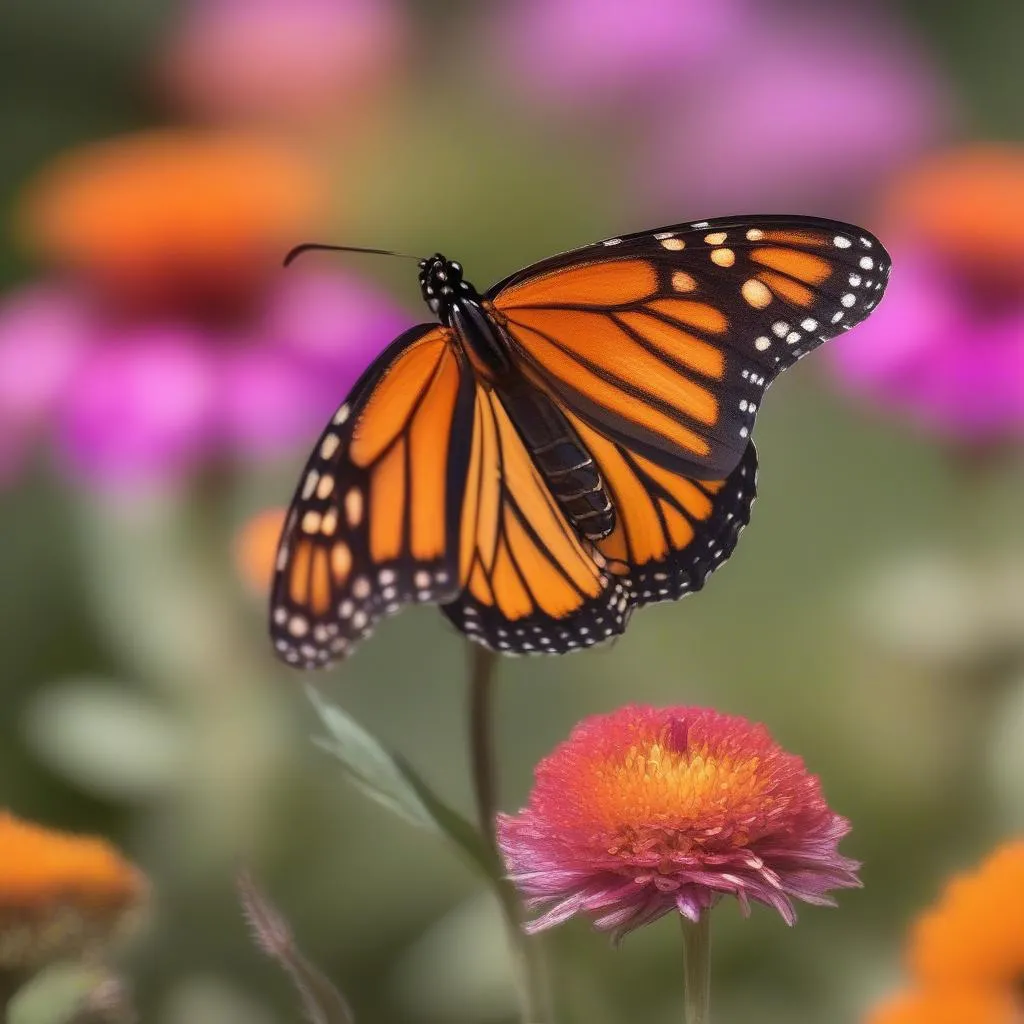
161	380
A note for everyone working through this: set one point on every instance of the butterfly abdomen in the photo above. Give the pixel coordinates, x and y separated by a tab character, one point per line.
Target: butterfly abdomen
562	459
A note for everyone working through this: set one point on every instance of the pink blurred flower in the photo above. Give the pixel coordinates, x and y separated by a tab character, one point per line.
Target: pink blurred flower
725	107
172	335
645	811
282	59
946	348
579	54
798	109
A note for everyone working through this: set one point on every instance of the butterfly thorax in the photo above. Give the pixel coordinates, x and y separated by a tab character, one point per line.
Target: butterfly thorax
459	306
553	444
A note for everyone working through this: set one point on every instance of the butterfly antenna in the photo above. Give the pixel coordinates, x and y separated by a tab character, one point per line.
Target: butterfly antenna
295	253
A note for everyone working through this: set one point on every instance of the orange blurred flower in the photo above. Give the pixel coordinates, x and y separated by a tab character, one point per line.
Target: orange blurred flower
61	895
256	549
974	936
946	1008
967	205
163	213
966	953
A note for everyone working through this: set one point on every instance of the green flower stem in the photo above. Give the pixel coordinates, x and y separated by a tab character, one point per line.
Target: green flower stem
483	676
528	963
697	969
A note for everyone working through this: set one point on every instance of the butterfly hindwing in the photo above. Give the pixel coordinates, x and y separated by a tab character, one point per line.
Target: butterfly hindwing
532	584
375	519
666	340
671	531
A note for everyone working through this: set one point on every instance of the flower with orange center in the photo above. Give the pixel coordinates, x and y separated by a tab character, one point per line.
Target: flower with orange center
61	895
968	950
648	810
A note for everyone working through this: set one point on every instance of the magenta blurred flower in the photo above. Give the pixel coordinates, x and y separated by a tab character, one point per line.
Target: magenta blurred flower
647	810
32	375
804	108
172	335
136	402
288	60
579	54
946	347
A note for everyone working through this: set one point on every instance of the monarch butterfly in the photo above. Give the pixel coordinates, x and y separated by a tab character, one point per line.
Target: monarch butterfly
568	446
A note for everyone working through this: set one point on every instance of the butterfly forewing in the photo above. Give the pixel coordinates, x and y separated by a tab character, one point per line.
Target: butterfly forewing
666	340
374	522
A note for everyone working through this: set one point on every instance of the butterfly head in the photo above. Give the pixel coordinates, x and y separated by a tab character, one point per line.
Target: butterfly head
442	284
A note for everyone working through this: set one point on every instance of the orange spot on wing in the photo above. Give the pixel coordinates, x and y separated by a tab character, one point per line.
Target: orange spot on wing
471	503
687	493
599	340
802	265
479	587
385	414
786	288
387	505
680	532
509	592
796	237
633	504
553	592
610	283
341	562
319	583
540	511
429	442
613	546
696	314
687	349
298	580
485	530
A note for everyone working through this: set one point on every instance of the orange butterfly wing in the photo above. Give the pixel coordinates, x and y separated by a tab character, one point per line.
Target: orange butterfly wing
532	585
375	520
657	347
665	341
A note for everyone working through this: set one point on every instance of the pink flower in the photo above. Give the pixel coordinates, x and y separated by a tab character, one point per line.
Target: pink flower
579	54
648	810
173	336
726	107
946	348
282	59
804	109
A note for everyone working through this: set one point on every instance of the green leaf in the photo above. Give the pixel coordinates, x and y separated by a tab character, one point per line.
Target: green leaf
391	781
